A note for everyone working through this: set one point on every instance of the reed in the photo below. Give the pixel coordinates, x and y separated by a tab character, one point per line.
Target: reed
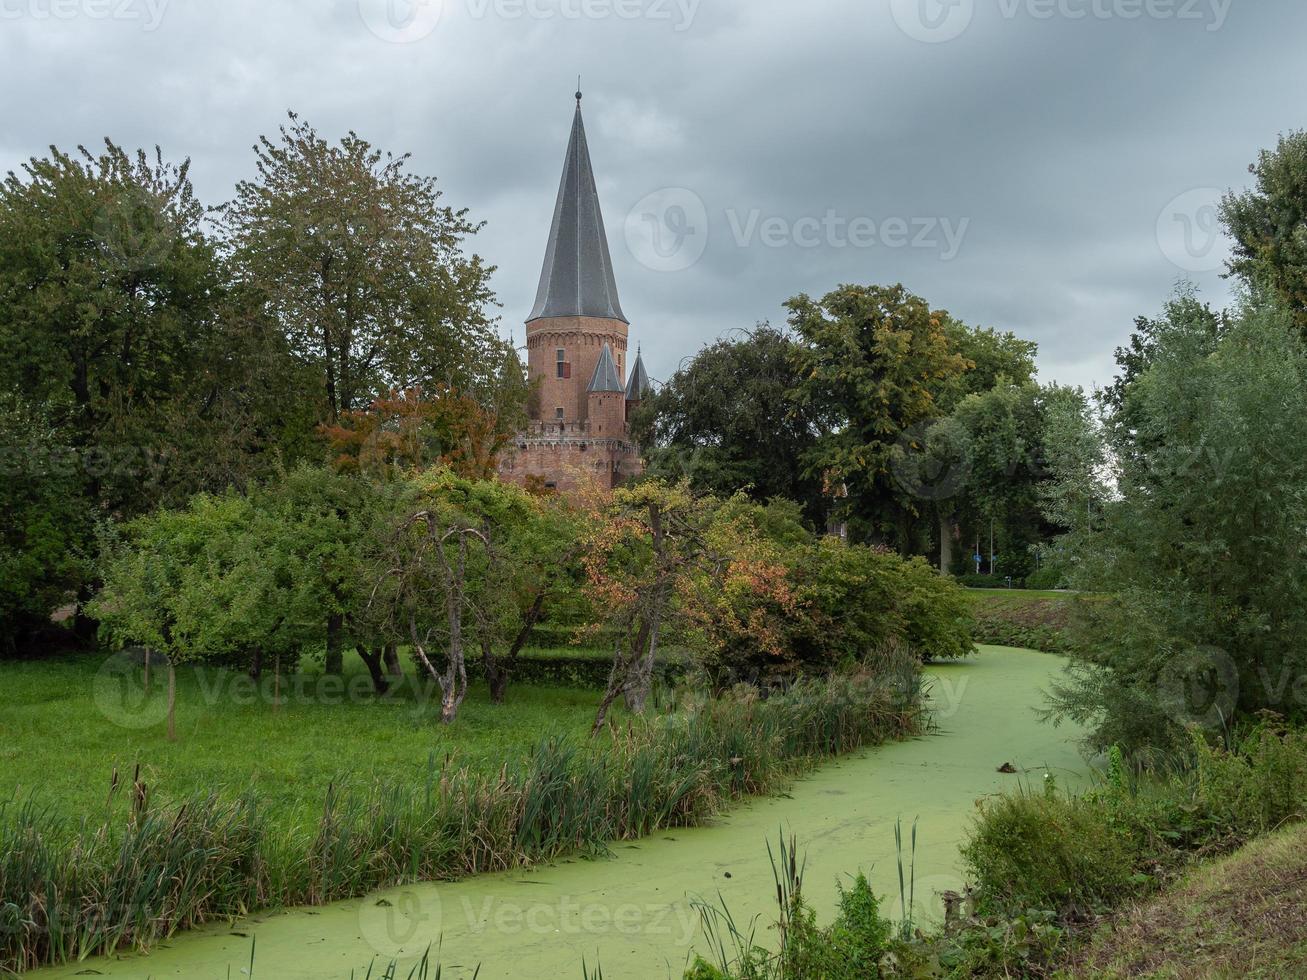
143	871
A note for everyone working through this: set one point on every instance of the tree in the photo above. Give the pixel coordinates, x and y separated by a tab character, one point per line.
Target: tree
637	545
407	431
109	313
1269	225
1201	549
363	270
1132	361
166	579
727	421
46	525
1075	457
993	358
535	551
872	363
441	568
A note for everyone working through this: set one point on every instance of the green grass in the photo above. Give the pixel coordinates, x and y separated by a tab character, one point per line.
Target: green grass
61	747
1019	595
1241	916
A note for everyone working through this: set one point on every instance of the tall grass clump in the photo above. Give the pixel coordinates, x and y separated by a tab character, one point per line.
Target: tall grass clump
68	892
850	948
144	871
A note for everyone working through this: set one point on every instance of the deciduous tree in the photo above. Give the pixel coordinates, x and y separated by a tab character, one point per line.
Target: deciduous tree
363	269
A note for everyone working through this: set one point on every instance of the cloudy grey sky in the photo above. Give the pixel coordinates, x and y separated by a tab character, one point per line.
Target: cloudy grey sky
1043	166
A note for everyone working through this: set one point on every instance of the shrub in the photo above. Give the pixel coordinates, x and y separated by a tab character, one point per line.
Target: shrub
1259	785
791	605
1043	851
854	599
1077	854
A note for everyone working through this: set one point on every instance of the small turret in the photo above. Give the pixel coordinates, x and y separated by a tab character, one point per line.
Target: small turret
607	398
637	388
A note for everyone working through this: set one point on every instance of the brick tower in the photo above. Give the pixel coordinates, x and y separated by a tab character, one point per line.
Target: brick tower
576	339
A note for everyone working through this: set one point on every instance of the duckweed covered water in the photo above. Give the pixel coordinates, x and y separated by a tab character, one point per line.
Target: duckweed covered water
633	912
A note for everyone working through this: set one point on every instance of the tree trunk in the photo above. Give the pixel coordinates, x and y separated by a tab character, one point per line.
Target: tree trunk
639	679
903	523
256	664
393	666
496	674
373	659
616	683
335	662
945	543
172	702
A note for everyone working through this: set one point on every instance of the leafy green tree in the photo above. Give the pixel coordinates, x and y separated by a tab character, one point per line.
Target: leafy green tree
1201	547
437	576
1269	225
727	421
46	525
109	298
1075	457
534	567
364	270
873	361
993	358
168	581
1136	358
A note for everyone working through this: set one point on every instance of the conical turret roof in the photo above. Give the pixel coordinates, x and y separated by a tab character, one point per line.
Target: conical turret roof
577	279
606	377
638	385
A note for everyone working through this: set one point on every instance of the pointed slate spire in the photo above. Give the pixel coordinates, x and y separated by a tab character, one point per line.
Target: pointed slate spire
638	387
577	279
606	377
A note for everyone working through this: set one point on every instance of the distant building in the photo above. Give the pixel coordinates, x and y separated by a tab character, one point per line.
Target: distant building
576	339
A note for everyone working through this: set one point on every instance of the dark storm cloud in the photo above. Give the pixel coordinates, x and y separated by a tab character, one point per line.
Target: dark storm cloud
1045	166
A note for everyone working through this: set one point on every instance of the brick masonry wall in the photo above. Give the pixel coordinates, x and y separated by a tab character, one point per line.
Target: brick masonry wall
582	338
570	460
590	442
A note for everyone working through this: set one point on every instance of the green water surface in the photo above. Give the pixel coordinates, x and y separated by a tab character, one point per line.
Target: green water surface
633	913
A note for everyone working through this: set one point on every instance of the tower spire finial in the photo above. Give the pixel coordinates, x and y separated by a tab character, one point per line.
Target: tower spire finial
578	91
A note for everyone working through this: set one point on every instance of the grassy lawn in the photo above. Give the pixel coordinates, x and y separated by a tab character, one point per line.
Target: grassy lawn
67	726
1019	595
1241	916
